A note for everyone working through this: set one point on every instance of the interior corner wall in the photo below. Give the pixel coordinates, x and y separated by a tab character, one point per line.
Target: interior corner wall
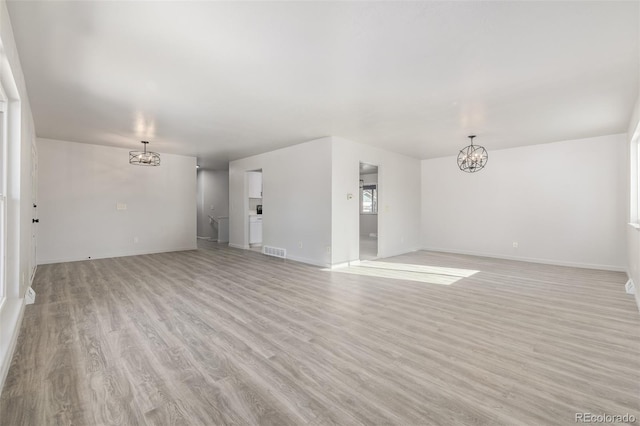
398	200
296	186
213	199
80	186
563	203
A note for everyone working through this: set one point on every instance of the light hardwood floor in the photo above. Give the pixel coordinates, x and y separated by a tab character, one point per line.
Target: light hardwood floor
224	336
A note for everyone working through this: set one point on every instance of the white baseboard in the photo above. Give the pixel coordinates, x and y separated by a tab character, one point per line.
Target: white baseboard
341	265
112	255
308	261
382	255
531	259
356	262
33	274
10	322
239	246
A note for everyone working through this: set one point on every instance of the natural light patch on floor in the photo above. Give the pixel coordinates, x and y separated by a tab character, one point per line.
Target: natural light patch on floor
405	271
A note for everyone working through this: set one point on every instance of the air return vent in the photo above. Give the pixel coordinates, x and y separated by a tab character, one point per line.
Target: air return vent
630	287
274	251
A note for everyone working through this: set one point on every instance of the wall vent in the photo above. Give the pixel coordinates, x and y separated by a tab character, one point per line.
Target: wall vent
630	287
274	251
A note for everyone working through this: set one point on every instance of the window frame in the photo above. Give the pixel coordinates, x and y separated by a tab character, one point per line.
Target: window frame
634	184
4	151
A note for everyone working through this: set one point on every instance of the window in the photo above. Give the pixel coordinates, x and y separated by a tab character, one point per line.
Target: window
369	204
635	216
3	199
634	186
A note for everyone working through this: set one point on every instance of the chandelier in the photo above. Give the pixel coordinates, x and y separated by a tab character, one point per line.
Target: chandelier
144	158
472	158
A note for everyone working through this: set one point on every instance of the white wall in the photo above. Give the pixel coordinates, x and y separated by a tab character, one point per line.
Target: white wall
398	200
563	202
19	192
296	185
213	199
306	209
79	187
368	222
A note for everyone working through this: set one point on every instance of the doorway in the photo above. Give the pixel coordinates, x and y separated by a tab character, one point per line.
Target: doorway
368	207
35	220
254	200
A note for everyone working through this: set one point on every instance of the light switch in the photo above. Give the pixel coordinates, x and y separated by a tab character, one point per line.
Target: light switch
121	206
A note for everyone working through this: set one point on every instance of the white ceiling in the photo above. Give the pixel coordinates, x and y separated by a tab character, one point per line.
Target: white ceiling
223	80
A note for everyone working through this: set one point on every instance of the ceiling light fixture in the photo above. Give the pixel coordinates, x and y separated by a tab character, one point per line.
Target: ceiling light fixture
144	158
472	158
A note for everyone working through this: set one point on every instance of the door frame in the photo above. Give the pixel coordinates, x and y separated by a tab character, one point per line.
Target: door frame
378	210
33	259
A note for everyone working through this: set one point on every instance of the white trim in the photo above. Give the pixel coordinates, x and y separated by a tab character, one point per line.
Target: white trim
384	254
634	225
239	246
3	250
207	238
533	260
109	256
10	321
637	295
634	177
308	261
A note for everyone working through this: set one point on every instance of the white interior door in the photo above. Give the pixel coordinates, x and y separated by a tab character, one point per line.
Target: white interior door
34	203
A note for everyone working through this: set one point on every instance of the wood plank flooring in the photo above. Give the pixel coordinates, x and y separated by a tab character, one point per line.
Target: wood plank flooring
223	336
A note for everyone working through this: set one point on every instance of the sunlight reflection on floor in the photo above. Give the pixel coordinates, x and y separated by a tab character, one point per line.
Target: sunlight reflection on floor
405	271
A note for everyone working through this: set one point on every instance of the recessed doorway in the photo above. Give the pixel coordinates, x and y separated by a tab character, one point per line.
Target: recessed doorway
254	220
368	211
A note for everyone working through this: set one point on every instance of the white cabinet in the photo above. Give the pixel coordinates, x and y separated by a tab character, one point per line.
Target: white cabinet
255	184
255	229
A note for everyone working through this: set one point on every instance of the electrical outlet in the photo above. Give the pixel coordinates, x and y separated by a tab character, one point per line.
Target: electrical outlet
299	244
135	240
515	244
328	249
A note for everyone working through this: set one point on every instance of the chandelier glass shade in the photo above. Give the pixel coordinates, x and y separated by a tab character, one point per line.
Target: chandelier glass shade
472	158
144	158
